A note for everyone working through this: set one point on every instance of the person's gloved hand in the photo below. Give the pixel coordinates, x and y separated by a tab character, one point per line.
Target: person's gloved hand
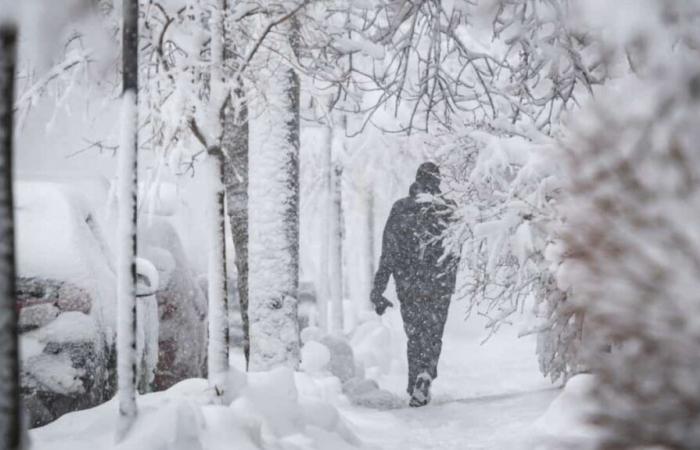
380	303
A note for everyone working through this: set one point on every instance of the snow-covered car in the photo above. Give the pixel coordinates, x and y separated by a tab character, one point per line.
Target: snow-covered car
66	299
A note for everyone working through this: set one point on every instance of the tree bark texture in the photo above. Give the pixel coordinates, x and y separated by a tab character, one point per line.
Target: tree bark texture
274	221
127	225
10	423
218	347
235	147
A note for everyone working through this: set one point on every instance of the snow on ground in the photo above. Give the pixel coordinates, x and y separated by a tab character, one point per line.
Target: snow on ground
504	364
487	397
493	423
272	410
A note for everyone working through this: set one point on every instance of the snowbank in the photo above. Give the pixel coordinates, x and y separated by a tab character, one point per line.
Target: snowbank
271	410
565	421
332	361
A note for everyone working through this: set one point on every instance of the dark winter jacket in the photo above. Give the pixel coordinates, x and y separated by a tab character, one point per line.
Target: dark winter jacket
412	247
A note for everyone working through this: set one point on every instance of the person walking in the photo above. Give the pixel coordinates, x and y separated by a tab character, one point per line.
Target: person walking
424	273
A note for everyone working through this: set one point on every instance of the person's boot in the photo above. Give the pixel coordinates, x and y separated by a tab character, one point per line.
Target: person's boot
421	390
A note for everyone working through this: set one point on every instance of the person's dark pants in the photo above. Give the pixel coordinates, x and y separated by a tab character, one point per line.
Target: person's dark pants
424	322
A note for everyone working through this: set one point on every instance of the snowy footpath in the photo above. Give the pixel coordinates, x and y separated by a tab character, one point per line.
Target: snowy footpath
495	423
488	396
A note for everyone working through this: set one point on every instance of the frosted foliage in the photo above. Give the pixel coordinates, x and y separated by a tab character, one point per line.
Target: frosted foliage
273	230
501	165
633	239
508	188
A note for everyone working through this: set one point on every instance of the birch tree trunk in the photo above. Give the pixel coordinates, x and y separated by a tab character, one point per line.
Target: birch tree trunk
274	221
126	239
10	423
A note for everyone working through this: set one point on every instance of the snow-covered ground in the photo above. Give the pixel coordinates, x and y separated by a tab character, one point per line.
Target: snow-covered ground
488	396
494	423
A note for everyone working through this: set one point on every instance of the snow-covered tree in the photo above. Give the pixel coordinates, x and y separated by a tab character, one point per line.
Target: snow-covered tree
128	214
235	145
497	146
336	228
218	348
632	240
10	411
274	222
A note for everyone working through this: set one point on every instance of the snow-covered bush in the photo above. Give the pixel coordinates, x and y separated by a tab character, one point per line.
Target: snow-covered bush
502	167
565	423
632	229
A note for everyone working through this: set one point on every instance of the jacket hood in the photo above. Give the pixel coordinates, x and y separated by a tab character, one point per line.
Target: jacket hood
418	188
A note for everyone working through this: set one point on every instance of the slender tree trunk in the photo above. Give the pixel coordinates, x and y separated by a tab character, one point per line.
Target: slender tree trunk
218	348
126	239
324	293
235	147
369	246
10	423
336	246
274	221
337	229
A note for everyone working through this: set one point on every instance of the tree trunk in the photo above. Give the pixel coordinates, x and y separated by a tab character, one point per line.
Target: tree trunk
218	347
126	239
235	147
10	423
336	247
234	144
337	228
274	221
217	351
324	289
370	267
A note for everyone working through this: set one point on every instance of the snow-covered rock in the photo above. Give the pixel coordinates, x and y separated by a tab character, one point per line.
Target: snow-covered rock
65	367
37	316
330	358
367	393
342	360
